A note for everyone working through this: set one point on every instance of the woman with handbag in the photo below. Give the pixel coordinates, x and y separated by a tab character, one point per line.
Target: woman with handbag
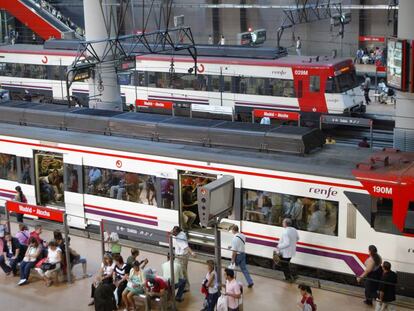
135	286
104	275
29	261
306	303
52	264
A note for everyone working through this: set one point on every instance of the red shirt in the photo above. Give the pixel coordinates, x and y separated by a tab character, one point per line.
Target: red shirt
309	301
36	235
156	285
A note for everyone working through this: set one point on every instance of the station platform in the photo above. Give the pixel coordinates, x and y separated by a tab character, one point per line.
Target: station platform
268	294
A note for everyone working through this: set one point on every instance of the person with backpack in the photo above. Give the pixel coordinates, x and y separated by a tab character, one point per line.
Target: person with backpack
19	197
238	245
306	303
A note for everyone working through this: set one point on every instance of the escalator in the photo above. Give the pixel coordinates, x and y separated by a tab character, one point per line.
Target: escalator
40	21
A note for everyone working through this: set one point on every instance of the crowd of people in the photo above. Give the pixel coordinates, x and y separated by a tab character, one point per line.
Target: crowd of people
122	283
56	13
27	251
375	56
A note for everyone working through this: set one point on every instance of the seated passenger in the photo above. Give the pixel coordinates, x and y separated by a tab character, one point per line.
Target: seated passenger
52	264
317	220
178	276
47	192
135	286
118	190
94	178
121	272
150	189
23	236
36	234
104	275
76	259
29	261
56	181
155	287
133	257
12	254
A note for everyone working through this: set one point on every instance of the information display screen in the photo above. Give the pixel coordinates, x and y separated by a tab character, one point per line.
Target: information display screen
395	63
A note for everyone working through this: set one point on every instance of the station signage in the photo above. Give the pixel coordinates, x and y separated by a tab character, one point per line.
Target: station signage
34	210
278	115
337	120
128	63
135	233
371	39
82	74
142	103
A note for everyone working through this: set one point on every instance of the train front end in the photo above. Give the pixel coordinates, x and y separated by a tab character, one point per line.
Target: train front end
342	91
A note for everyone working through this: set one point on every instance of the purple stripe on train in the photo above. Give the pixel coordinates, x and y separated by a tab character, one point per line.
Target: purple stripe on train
7	195
123	217
349	259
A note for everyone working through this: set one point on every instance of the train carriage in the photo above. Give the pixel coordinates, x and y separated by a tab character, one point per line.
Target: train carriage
343	207
310	85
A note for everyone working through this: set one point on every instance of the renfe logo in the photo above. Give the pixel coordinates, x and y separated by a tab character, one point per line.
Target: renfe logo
382	190
327	193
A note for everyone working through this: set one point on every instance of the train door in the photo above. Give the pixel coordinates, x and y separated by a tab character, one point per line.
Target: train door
49	173
188	215
74	198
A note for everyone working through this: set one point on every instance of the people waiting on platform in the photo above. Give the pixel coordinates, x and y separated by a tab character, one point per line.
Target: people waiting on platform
52	265
306	302
232	291
156	288
104	275
179	279
386	288
12	254
76	259
135	286
121	271
23	236
211	287
33	253
19	197
371	275
364	143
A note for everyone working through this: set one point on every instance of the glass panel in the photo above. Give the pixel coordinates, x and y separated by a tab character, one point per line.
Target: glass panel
26	171
189	205
214	83
314	84
8	167
72	175
49	178
288	88
167	193
330	85
347	81
227	84
276	86
381	216
319	216
120	185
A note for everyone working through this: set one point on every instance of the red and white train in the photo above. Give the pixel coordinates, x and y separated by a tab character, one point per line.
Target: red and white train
345	199
302	84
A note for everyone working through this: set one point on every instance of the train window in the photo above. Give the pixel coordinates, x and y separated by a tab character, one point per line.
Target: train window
227	86
120	185
26	171
167	187
330	85
319	216
55	72
49	178
214	83
138	78
409	221
351	222
276	86
73	174
381	216
8	167
314	84
347	81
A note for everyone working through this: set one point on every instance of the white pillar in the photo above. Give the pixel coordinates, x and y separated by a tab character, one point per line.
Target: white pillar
100	24
404	112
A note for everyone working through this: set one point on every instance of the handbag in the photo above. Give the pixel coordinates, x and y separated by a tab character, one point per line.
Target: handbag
276	257
47	266
222	303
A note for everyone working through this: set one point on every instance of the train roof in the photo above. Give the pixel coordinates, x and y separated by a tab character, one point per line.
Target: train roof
332	161
243	56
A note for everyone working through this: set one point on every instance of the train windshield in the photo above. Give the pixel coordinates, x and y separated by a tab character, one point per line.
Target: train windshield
341	83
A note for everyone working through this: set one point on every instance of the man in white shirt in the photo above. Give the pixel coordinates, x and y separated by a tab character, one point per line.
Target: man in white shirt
287	248
238	245
299	47
183	252
178	277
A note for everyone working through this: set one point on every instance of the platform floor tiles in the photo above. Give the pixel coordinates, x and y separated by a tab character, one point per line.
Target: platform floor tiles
267	294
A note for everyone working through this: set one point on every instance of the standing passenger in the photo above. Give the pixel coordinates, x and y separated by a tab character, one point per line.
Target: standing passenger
299	47
287	248
238	245
183	252
306	303
233	291
372	273
366	87
386	288
212	286
19	197
222	40
210	40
